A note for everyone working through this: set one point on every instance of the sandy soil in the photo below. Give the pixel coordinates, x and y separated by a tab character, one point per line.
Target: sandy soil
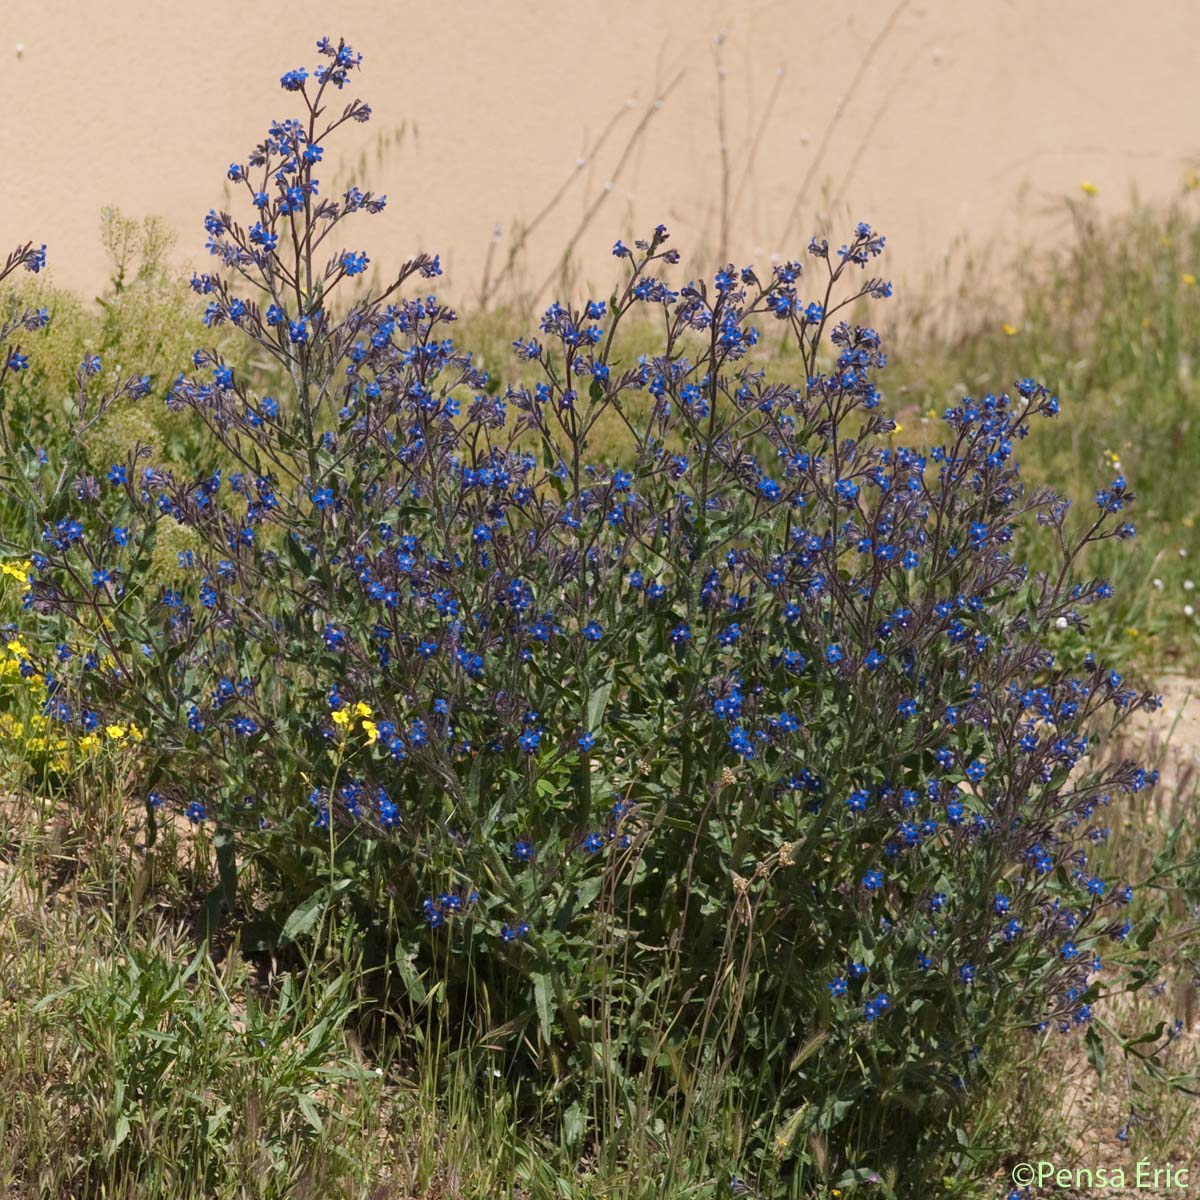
938	120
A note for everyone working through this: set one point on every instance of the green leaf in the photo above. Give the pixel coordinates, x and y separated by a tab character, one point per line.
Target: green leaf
1095	1053
1147	933
224	844
598	701
303	918
120	1133
541	997
573	1126
305	1103
408	973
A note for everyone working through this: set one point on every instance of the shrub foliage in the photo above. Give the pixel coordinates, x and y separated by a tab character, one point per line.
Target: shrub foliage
737	766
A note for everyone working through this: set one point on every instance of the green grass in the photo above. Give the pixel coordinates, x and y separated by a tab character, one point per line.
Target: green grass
135	1064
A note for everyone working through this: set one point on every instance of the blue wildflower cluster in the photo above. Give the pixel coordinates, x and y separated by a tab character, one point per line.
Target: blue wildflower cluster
757	684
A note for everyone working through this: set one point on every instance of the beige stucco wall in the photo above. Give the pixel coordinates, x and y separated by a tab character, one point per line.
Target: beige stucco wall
963	107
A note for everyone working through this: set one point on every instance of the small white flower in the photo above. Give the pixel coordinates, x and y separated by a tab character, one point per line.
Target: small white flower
1158	585
1188	611
1188	585
1061	623
1182	552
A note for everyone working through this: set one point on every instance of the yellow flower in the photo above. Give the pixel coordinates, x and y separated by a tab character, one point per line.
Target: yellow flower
89	741
363	710
341	718
1188	522
17	570
1088	189
1132	631
899	428
17	647
371	730
136	733
116	732
1011	330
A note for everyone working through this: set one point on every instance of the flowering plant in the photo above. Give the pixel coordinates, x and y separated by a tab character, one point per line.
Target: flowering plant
737	752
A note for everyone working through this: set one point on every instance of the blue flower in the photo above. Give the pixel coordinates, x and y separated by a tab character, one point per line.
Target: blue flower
263	237
35	260
593	843
837	986
873	880
876	1005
